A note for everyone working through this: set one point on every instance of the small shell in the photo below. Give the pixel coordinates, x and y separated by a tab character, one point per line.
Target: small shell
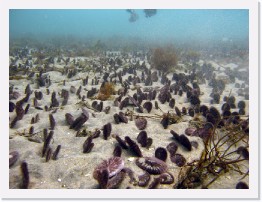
172	148
185	142
161	153
96	134
149	142
117	151
107	130
148	106
72	89
107	109
143	179
156	105
194	144
243	151
184	111
36	139
79	122
165	122
88	145
166	178
122	117
48	154
172	103
52	122
117	118
94	104
69	118
55	154
85	112
242	185
133	146
13	157
178	159
121	142
123	104
178	112
154	184
99	107
152	165
11	106
141	123
27	108
25	176
191	112
175	135
31	130
189	131
142	138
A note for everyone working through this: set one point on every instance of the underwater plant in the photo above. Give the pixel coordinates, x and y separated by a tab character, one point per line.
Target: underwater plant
221	155
106	90
164	59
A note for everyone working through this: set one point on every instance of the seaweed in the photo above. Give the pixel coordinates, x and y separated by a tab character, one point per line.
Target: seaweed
106	90
164	59
217	157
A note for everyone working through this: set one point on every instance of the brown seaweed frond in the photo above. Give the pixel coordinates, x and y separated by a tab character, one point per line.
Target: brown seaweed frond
164	58
225	150
106	90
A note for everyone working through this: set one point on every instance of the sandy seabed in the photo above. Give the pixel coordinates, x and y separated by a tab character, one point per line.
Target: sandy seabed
74	169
